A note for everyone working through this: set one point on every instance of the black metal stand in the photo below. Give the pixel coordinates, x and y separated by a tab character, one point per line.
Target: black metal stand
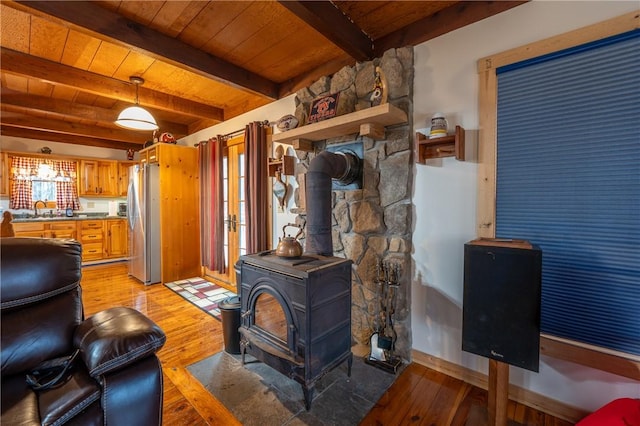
390	366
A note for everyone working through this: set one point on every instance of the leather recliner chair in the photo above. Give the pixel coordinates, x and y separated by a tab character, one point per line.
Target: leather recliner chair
116	378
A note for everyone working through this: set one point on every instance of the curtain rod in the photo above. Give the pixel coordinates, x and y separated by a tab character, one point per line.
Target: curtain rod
235	132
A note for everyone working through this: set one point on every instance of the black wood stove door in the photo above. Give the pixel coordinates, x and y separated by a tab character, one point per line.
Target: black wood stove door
269	316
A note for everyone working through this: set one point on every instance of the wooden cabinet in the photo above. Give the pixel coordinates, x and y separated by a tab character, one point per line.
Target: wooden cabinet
123	176
63	229
4	174
98	178
92	239
179	192
53	229
117	242
286	165
149	155
30	229
100	238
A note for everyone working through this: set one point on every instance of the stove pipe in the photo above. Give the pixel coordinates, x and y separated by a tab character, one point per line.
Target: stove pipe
343	166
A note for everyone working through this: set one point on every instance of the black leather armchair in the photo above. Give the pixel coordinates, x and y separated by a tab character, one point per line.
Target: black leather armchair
116	379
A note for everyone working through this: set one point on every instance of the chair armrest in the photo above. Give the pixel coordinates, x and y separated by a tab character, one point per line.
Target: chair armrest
116	337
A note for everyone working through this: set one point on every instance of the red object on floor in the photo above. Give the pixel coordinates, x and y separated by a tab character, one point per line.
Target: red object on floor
619	412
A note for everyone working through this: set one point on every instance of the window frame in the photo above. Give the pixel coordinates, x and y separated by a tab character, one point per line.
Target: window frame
625	365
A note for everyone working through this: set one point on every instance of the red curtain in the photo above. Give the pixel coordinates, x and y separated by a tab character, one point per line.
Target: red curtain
210	158
25	169
256	191
67	190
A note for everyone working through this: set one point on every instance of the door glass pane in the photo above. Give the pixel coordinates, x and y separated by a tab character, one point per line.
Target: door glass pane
242	228
270	317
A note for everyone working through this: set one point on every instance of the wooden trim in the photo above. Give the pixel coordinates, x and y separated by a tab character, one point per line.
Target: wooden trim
618	25
487	140
622	364
516	393
487	136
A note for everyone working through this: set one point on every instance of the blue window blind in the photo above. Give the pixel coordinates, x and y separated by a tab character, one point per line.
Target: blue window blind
568	180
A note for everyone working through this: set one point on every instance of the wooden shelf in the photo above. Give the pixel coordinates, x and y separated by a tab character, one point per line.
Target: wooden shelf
286	165
446	146
367	122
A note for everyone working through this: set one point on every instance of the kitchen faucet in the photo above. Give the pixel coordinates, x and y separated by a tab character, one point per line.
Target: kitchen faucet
35	206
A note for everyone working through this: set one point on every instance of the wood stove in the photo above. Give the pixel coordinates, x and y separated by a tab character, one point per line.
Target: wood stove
296	314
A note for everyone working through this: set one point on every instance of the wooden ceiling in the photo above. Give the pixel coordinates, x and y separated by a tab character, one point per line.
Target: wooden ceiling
65	65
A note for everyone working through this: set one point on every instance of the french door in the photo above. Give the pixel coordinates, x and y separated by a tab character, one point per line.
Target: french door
235	235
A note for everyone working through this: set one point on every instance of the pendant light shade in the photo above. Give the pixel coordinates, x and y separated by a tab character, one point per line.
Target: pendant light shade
136	117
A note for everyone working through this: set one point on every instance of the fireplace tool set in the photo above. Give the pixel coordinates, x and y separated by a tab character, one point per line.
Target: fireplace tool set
383	339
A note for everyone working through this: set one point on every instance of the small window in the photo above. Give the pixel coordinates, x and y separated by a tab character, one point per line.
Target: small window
37	179
44	190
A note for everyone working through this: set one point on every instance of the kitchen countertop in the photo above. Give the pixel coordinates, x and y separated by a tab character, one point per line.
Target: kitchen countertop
89	216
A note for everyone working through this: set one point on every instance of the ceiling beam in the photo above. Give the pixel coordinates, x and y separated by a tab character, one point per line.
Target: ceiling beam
57	108
457	16
107	25
329	21
60	137
19	63
75	129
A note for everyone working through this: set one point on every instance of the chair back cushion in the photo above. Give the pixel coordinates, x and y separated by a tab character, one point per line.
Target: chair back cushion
40	300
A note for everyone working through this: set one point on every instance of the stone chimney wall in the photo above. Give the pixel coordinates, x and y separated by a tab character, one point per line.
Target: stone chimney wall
373	223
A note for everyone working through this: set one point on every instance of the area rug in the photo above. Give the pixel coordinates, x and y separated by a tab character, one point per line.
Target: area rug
257	394
202	293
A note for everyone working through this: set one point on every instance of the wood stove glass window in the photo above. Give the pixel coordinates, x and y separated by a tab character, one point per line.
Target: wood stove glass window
270	317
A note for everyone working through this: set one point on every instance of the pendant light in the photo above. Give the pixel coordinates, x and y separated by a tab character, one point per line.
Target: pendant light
136	117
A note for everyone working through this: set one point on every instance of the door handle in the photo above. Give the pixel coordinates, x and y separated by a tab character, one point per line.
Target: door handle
231	223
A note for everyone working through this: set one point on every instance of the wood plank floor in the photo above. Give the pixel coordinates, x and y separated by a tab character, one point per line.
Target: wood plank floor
420	396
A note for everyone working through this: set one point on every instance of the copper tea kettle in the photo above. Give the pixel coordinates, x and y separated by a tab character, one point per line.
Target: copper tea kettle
289	246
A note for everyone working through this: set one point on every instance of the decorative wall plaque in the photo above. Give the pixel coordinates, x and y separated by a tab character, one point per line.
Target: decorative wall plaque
324	108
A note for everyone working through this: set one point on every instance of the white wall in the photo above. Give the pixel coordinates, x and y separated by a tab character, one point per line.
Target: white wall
270	112
446	81
11	143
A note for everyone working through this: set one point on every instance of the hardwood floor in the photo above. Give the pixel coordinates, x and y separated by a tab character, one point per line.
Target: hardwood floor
420	396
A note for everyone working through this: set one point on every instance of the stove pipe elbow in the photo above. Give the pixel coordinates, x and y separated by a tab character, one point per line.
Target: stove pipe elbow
324	167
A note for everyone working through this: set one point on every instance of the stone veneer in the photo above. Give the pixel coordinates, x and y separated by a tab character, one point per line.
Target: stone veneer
375	222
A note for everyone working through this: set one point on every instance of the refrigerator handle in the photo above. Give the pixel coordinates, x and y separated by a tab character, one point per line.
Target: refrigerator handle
130	205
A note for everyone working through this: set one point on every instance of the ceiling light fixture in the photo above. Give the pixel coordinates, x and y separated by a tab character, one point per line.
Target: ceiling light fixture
136	117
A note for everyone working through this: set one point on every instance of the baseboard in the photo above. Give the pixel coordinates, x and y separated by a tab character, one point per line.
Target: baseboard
516	393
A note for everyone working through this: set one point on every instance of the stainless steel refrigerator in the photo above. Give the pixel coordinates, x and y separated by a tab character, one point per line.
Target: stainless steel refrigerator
143	198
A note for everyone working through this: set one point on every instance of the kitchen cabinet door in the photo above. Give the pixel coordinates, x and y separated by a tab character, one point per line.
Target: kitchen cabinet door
117	238
123	176
98	178
63	229
29	229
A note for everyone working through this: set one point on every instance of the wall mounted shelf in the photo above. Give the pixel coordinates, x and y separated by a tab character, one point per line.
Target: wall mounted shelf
369	122
286	165
446	146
